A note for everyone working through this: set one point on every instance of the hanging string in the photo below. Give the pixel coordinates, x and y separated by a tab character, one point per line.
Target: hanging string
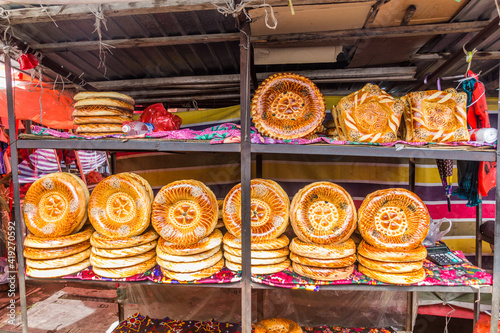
231	9
468	58
448	318
58	93
45	11
100	21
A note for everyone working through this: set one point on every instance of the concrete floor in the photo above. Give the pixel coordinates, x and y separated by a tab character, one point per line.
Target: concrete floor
66	307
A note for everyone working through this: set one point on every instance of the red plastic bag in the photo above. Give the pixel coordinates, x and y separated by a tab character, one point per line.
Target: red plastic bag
483	324
161	119
27	61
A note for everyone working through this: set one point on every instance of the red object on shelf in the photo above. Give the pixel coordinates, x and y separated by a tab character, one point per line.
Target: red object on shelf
483	324
27	61
441	310
160	118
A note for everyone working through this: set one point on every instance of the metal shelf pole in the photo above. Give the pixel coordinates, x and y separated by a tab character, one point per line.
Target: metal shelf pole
246	165
16	197
479	259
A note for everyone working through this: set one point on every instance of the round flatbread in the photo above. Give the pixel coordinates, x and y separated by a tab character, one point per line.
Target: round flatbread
101	120
260	269
323	274
269	209
58	262
255	261
56	272
323	213
190	267
110	102
141	181
100	128
324	263
212	241
391	267
371	252
103	262
259	254
393	219
273	325
98	240
48	243
103	94
316	251
119	207
189	258
269	244
184	212
394	278
287	106
124	272
126	252
202	274
59	252
55	205
96	111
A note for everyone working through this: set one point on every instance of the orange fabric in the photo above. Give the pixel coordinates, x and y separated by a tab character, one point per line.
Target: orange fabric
56	109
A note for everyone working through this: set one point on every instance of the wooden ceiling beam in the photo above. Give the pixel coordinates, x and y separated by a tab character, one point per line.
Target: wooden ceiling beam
386	32
482	55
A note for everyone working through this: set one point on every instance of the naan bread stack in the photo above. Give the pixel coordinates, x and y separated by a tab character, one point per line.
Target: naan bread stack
323	217
435	116
120	211
393	224
185	214
281	325
101	113
288	106
368	115
269	219
55	211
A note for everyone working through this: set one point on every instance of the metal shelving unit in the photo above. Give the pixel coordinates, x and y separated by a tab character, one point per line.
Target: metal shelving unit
245	148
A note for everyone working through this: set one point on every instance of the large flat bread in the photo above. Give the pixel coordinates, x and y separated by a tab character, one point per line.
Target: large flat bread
271	325
255	261
103	242
114	103
269	244
212	241
190	267
99	128
47	243
101	120
261	269
103	262
394	278
123	272
97	110
375	253
59	252
202	274
324	263
323	274
391	267
316	251
126	252
56	272
58	262
190	258
103	94
259	254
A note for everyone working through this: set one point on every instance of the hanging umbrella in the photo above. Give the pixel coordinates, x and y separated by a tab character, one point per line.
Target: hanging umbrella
445	168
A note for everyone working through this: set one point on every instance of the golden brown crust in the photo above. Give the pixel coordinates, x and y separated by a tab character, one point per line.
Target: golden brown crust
110	102
47	243
255	261
190	267
101	120
184	212
393	219
269	209
326	263
261	269
323	274
60	252
103	94
125	252
187	258
269	244
58	262
95	111
323	213
370	115
117	273
273	325
119	207
212	241
372	252
287	106
394	278
103	262
258	254
55	205
391	267
56	272
99	128
100	241
141	181
334	251
436	116
203	274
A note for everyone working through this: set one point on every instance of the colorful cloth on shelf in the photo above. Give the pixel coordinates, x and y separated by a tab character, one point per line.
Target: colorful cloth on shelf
224	276
458	275
329	329
230	133
89	274
138	324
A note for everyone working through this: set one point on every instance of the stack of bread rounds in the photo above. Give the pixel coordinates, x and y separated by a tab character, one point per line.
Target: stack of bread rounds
272	325
55	211
323	217
101	113
393	224
120	211
185	214
269	219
